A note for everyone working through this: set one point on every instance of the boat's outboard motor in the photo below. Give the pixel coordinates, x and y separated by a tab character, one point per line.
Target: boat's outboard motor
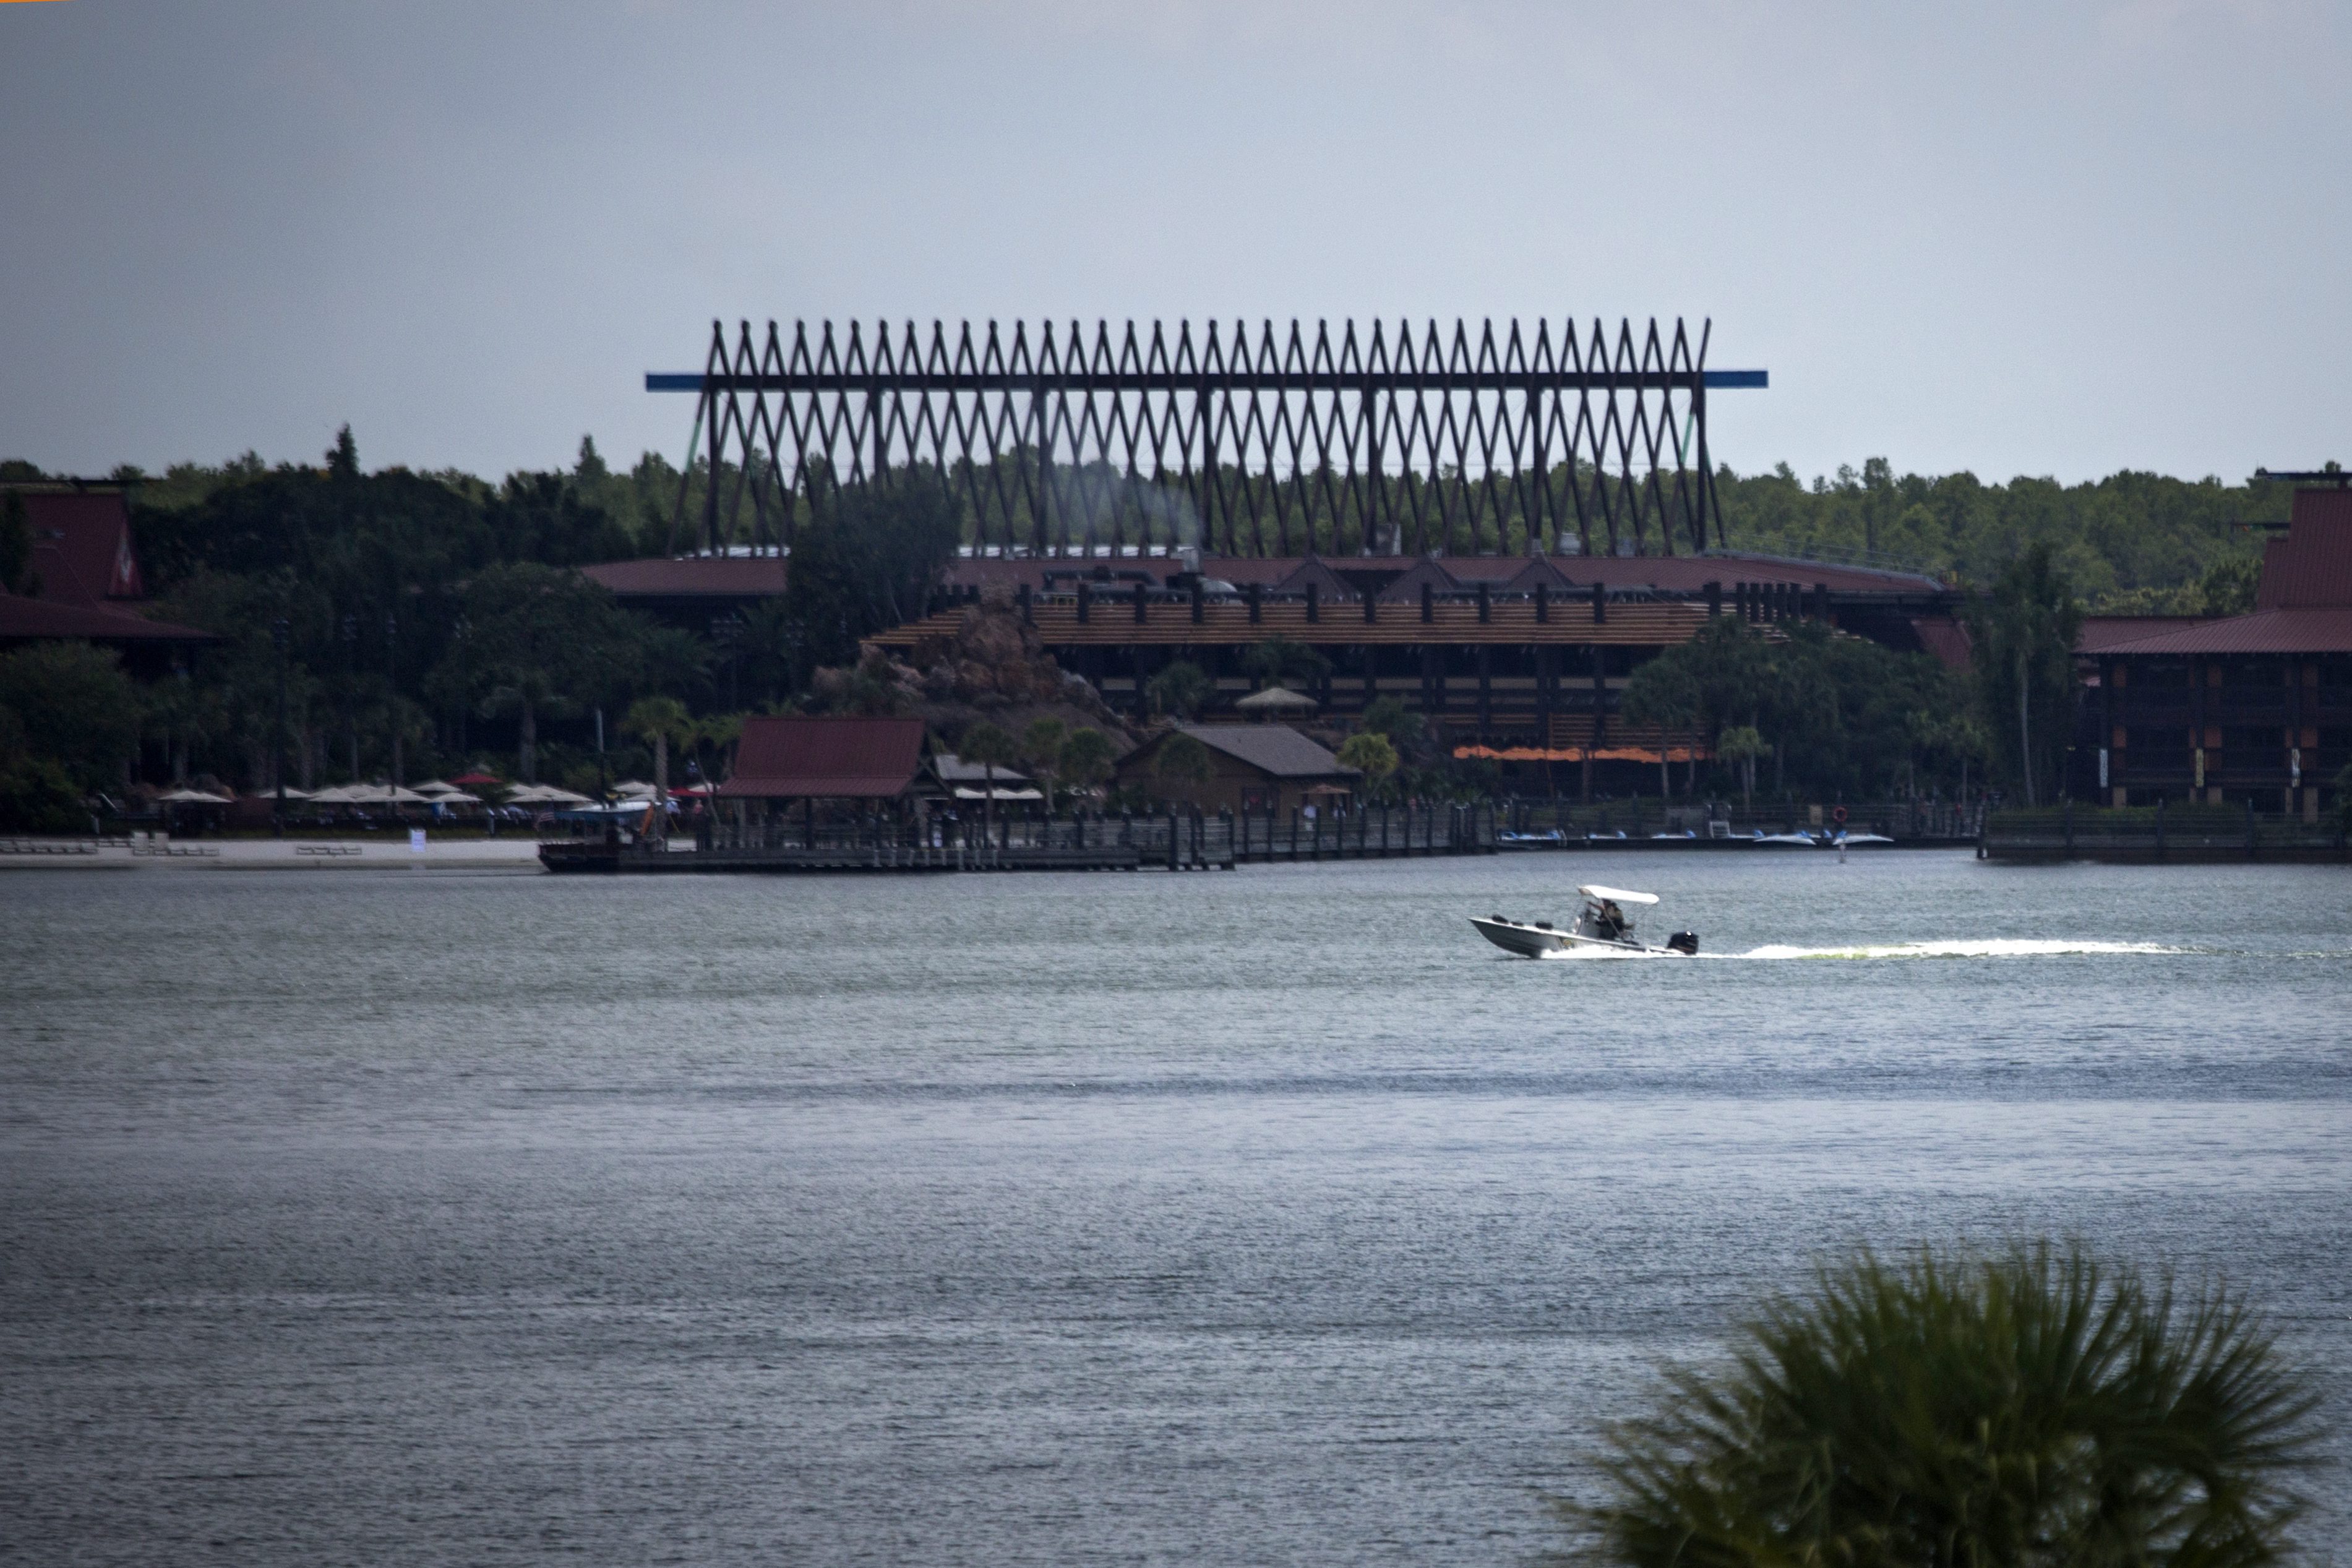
1685	943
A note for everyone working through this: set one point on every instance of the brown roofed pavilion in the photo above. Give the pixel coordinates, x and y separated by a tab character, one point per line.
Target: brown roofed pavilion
825	758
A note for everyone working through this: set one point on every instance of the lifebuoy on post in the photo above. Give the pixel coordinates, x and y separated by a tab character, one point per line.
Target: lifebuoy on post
1837	813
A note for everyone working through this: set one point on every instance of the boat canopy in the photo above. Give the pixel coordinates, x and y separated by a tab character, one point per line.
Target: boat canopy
1619	895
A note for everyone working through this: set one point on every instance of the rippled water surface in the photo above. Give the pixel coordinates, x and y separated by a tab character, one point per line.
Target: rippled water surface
1264	1217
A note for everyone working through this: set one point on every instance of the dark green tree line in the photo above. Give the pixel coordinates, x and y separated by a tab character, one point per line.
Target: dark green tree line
1835	716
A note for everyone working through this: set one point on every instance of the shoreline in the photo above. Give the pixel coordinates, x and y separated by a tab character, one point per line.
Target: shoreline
510	856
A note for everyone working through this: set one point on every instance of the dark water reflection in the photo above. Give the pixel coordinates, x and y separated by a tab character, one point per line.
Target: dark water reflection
1259	1218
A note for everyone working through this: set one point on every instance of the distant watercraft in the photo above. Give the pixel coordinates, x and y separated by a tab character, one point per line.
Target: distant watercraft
1602	930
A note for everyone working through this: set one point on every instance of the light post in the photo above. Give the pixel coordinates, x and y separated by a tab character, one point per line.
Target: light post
280	635
391	694
462	632
350	689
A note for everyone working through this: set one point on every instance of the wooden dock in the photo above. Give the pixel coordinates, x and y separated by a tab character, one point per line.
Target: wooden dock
1194	841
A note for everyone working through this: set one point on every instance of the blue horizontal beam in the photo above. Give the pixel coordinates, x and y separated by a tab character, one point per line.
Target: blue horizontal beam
1161	381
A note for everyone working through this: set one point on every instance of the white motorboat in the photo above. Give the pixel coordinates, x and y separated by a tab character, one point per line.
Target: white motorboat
1795	841
1602	930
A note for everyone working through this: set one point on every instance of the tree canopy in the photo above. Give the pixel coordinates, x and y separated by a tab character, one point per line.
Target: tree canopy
1840	717
2022	635
863	564
71	703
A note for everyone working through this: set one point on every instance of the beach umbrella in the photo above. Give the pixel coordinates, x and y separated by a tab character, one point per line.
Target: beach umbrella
1277	699
193	798
546	795
372	795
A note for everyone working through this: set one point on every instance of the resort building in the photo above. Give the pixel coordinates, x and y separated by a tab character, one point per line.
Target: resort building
1523	658
2254	708
82	581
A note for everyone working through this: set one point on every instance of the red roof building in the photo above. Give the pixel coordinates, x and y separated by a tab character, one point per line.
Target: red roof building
691	590
81	544
826	759
83	579
2256	707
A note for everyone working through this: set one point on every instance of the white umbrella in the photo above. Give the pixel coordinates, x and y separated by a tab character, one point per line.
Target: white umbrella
635	790
372	795
457	798
1277	699
439	786
545	795
193	798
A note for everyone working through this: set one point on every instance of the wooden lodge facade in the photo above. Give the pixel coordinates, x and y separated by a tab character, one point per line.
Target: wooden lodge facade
1524	660
1254	769
1523	656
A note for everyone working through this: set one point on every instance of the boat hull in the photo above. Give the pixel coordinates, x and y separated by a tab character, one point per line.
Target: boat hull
1534	941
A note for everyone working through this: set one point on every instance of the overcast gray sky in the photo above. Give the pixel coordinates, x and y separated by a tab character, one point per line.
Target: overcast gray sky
2047	238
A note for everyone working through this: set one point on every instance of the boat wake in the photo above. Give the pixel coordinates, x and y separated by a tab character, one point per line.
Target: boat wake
1996	947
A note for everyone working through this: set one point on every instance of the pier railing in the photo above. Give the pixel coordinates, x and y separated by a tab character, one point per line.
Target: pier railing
1180	838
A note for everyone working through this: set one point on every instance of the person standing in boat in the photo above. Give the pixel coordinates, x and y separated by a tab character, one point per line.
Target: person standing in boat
1609	923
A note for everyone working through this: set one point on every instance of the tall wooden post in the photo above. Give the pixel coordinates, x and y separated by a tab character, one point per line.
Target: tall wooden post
1485	691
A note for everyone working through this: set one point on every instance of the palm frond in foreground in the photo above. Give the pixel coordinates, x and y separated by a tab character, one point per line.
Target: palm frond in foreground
2038	1409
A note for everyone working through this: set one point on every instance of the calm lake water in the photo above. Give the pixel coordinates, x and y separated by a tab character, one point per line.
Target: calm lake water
1257	1217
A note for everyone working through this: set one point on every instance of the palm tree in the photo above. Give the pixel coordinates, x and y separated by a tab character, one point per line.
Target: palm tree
1371	754
1183	760
2023	637
1663	693
2040	1407
1741	746
992	747
1041	752
1087	757
1180	689
528	694
1278	659
661	720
